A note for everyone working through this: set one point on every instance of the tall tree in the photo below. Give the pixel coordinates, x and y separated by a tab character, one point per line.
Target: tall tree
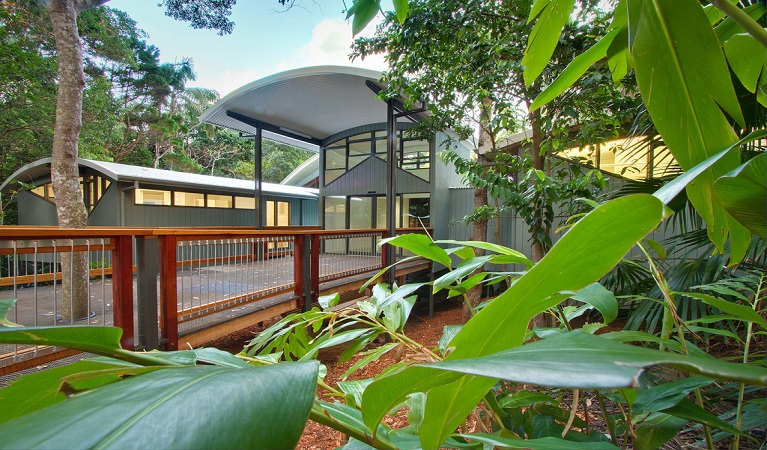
70	208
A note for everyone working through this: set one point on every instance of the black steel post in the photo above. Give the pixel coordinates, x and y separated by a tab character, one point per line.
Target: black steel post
258	175
391	184
147	270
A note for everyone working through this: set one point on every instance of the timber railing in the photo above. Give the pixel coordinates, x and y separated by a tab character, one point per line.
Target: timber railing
168	286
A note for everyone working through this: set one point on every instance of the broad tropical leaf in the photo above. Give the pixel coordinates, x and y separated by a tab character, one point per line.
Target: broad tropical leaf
195	407
41	389
600	298
552	16
582	360
686	86
421	245
743	193
575	70
547	443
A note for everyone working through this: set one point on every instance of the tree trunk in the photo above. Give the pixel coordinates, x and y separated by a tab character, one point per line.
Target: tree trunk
479	227
539	163
70	208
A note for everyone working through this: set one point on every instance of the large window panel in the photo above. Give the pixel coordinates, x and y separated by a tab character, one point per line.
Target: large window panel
416	206
335	158
189	199
245	202
219	201
335	219
270	213
359	147
152	197
416	158
283	214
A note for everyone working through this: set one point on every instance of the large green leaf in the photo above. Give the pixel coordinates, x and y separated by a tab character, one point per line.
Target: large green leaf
743	193
195	407
686	409
728	28
464	268
548	443
552	16
656	430
103	341
741	50
576	261
575	70
400	9
740	311
582	360
686	86
670	190
600	298
363	12
421	245
666	395
500	249
41	389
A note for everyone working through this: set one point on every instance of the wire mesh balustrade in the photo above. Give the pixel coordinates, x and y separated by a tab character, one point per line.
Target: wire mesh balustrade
45	276
218	278
344	255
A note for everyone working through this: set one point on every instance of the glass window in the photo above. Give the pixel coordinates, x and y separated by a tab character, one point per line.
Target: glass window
416	206
335	213
269	213
219	201
359	148
335	158
283	214
416	159
381	148
245	203
152	197
331	175
189	199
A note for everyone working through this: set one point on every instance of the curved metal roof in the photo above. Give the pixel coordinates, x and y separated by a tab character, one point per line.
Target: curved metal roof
310	103
123	172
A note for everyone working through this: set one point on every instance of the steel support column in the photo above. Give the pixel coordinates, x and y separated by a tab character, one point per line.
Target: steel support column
147	270
391	185
258	174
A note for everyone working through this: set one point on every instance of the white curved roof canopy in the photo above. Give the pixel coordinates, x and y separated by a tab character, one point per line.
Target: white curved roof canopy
310	103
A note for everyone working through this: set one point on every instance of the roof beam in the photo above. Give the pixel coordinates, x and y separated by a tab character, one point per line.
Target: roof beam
271	128
399	107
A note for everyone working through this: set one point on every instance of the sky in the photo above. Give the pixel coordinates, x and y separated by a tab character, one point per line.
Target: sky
266	40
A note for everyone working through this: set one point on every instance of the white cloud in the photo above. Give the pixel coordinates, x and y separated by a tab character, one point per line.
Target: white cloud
330	44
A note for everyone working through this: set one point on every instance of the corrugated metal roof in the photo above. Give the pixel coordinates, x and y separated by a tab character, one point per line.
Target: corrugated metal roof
314	101
304	173
191	181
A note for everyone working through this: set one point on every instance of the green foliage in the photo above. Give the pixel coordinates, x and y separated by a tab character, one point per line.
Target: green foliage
153	400
668	44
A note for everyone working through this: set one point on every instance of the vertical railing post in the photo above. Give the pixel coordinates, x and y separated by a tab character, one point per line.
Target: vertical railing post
147	269
384	250
315	267
168	292
122	289
302	271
